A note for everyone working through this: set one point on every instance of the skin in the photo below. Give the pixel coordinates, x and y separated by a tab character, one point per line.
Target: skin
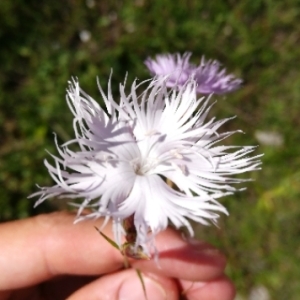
47	257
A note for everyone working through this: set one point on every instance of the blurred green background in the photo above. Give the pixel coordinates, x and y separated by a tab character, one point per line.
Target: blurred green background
43	45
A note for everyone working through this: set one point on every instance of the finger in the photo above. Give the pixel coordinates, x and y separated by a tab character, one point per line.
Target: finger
183	259
219	289
39	248
42	247
126	285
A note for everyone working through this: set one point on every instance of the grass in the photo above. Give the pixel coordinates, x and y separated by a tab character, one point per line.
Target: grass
255	39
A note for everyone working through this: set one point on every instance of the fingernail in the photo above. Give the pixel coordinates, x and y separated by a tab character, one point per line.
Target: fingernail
132	289
202	246
194	242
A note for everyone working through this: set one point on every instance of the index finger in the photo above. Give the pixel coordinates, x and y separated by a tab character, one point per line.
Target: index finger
39	248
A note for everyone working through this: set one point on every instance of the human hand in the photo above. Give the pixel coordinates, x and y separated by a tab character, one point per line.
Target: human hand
48	258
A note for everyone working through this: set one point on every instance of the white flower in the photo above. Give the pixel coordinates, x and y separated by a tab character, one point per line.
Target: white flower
129	149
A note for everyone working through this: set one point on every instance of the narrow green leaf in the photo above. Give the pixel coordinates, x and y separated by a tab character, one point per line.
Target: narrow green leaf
139	273
114	244
126	262
123	251
184	292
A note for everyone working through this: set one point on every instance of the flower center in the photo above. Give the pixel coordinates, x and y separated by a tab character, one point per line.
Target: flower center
142	167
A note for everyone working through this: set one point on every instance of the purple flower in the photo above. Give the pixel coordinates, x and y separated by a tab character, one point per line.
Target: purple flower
209	75
174	66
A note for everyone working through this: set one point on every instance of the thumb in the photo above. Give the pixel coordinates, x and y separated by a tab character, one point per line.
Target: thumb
126	285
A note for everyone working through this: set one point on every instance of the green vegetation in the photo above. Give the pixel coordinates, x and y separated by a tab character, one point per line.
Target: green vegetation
257	40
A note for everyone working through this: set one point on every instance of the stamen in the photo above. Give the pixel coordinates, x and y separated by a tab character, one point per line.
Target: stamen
151	132
176	154
182	168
